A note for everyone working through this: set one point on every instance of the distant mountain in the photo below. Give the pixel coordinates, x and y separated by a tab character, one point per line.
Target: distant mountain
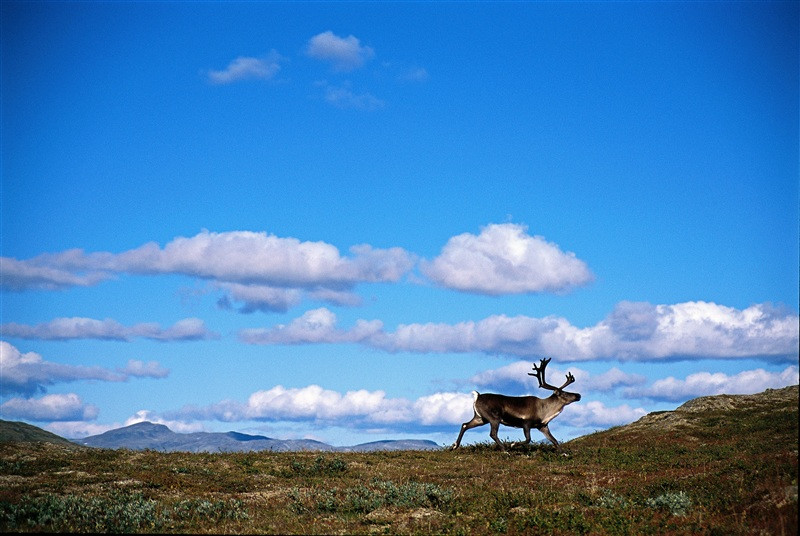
146	435
20	432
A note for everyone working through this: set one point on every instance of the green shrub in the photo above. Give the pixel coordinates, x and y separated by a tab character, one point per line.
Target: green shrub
117	512
363	499
321	467
677	503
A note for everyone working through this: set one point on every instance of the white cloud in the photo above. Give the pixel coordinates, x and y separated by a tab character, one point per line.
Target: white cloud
78	429
276	299
368	409
344	97
27	373
314	402
708	383
242	257
343	53
612	379
23	275
594	413
248	68
633	332
180	427
443	408
314	326
515	377
504	259
61	407
140	369
188	329
260	297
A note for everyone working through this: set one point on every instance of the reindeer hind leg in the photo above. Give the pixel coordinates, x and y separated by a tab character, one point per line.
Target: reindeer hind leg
476	421
493	433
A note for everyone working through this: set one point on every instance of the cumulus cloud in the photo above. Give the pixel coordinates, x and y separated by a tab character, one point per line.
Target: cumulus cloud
716	383
78	429
515	378
613	379
373	408
247	68
343	53
61	407
242	257
188	329
27	373
24	275
443	408
632	332
504	259
275	299
595	413
260	297
306	403
180	427
315	326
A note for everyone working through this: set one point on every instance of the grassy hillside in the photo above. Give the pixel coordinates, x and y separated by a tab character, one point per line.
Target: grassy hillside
721	465
13	431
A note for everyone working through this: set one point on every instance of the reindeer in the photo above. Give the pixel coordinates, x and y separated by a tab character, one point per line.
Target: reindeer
524	412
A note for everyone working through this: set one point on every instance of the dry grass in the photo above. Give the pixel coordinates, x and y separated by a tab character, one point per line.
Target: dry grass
730	470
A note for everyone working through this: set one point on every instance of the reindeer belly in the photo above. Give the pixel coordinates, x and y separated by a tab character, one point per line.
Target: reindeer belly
518	421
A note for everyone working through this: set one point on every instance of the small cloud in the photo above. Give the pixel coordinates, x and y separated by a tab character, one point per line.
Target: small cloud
140	369
717	383
27	373
613	379
314	326
35	274
344	97
62	329
61	407
244	257
248	68
597	414
414	74
78	429
504	259
181	427
343	53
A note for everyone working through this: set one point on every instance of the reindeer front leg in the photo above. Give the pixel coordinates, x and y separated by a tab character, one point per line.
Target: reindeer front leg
527	430
546	431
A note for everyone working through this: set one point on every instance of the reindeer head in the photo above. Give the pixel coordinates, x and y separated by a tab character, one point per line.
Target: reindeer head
558	392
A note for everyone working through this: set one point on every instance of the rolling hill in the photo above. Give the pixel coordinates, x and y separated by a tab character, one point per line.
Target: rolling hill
715	465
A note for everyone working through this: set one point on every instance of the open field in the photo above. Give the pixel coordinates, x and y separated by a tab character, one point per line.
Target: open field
725	465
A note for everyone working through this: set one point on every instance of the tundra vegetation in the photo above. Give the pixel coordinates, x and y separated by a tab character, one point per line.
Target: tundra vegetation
717	465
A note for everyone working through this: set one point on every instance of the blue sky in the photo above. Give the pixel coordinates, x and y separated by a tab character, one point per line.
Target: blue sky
335	220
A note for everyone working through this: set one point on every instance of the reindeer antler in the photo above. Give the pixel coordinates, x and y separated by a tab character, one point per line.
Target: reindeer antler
539	373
